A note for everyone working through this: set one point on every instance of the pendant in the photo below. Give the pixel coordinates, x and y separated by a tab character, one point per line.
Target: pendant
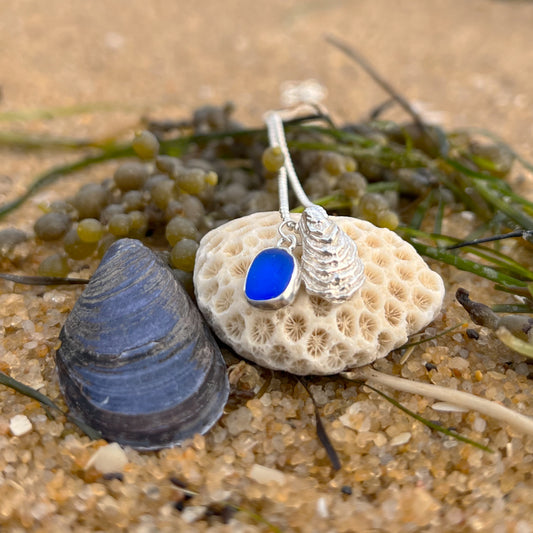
273	279
331	267
330	264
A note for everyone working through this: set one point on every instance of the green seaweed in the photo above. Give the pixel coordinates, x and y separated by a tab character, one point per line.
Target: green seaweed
21	388
429	424
427	339
60	171
65	111
495	204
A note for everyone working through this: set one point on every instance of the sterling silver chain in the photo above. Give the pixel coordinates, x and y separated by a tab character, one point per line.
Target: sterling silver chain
330	264
276	137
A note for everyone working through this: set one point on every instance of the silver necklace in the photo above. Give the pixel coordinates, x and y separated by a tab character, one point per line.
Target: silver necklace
330	266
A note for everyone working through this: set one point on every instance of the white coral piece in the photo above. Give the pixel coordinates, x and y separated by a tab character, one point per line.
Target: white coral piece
399	297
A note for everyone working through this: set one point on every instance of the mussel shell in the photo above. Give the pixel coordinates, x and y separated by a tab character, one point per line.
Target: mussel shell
137	361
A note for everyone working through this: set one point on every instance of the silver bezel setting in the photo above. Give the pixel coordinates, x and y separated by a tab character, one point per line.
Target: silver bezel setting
287	296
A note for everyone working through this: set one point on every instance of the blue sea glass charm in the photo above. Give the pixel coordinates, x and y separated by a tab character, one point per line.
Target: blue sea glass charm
273	279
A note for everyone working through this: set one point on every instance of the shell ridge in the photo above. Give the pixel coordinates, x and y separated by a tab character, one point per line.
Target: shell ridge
329	257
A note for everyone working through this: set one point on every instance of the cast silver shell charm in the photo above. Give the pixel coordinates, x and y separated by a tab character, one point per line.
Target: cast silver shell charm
331	267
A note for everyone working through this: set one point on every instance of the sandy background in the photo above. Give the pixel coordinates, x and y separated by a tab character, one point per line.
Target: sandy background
472	60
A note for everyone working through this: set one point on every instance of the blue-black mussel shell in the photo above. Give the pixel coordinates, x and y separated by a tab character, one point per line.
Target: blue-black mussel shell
137	361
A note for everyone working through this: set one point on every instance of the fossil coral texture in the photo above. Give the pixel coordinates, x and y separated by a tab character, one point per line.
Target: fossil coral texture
400	296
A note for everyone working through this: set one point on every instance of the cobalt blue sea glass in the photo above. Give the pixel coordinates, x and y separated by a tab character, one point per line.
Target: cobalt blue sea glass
270	276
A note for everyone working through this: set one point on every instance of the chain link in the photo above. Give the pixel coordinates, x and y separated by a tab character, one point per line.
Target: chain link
276	138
